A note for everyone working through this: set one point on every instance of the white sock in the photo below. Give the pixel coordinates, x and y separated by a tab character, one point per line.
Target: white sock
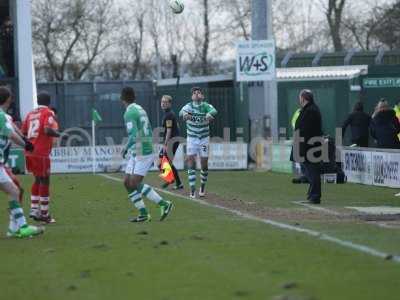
136	199
17	213
151	194
35	202
13	226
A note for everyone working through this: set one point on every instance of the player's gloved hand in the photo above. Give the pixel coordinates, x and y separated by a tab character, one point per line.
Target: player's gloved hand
124	153
29	146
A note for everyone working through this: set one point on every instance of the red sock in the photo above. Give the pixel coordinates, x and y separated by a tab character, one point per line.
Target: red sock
44	200
35	196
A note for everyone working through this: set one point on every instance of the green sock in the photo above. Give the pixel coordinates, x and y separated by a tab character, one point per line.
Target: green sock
143	212
163	203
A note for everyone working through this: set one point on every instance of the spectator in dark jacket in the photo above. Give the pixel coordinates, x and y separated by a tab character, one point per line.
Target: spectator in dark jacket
308	137
359	123
385	126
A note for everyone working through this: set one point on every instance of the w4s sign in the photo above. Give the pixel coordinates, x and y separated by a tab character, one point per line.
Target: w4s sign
255	60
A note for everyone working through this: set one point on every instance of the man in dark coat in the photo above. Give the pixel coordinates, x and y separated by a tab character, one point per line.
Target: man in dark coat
307	143
359	122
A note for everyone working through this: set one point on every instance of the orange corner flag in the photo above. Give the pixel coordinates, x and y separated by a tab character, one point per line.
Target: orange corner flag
166	170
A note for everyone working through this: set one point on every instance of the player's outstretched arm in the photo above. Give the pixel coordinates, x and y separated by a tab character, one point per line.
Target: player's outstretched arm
52	132
17	139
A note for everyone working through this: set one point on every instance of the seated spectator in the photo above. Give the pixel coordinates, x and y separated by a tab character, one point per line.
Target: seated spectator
385	126
359	123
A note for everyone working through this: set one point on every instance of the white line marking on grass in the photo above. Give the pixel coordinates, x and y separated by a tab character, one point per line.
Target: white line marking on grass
388	226
313	233
377	210
318	208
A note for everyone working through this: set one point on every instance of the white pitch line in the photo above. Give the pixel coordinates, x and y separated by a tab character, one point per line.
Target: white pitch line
318	208
310	232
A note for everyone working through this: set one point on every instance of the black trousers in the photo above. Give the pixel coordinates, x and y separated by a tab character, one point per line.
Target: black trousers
313	174
361	142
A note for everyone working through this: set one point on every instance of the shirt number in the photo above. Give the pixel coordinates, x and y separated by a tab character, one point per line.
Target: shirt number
145	125
33	131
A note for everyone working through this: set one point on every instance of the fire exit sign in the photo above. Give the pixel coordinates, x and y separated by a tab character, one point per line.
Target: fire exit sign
393	82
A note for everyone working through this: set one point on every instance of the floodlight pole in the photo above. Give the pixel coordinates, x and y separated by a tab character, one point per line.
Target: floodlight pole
263	103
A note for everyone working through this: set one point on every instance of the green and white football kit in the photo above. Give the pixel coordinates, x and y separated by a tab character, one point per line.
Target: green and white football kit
197	127
198	139
140	160
140	145
6	129
17	226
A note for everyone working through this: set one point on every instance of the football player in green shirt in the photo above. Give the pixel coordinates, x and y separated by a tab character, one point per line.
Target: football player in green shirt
140	158
17	226
198	114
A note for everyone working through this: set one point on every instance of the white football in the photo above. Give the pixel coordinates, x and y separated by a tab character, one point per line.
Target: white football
176	6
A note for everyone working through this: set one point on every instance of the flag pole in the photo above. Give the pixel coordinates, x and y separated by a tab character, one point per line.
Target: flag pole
93	147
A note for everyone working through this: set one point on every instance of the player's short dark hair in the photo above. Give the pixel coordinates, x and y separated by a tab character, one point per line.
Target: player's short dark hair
44	98
196	88
128	94
5	94
307	95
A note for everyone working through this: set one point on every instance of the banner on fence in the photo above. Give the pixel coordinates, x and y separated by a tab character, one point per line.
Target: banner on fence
372	167
16	160
109	159
281	158
228	156
357	166
386	169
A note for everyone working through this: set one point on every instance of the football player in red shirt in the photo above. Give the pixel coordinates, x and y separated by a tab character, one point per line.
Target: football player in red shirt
40	128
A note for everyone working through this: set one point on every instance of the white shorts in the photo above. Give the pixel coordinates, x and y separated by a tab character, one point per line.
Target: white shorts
139	165
4	177
199	147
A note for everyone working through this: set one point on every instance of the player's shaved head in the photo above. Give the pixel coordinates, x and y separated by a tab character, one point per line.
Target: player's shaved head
43	98
5	94
128	94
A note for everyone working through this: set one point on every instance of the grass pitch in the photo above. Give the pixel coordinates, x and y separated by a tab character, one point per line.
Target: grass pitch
93	252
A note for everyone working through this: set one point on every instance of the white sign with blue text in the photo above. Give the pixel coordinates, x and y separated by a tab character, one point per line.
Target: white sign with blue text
255	60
